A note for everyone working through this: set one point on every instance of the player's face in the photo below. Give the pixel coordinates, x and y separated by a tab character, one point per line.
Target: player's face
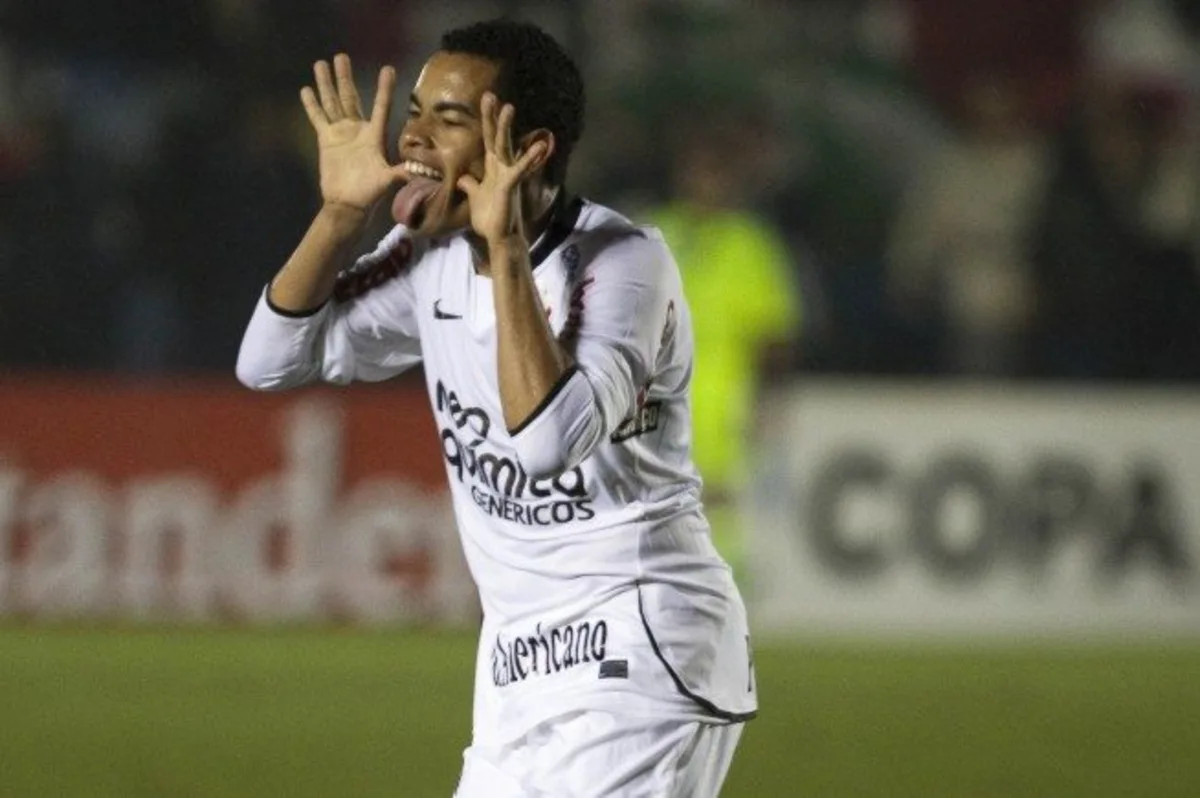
441	141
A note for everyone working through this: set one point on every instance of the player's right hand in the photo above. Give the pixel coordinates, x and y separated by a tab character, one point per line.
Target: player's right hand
352	150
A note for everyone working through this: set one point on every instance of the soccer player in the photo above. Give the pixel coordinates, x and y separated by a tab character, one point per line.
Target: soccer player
614	658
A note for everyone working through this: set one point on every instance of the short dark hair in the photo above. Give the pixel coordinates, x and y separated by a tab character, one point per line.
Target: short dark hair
536	76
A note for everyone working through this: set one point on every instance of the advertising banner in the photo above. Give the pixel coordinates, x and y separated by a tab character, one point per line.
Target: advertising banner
203	501
891	509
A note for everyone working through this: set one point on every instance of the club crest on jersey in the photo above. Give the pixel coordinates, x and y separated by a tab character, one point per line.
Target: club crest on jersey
498	484
367	275
571	262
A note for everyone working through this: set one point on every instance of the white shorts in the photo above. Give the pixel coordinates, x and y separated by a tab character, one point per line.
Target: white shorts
595	754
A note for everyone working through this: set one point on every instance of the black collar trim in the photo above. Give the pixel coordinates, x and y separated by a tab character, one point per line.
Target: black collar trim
564	216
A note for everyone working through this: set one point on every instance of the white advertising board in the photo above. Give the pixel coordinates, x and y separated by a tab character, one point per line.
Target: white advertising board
894	509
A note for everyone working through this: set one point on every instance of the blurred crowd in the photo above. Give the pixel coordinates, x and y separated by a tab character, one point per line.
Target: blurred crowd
1000	188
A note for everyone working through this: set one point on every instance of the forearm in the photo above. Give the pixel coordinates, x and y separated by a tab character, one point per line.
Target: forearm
307	278
530	361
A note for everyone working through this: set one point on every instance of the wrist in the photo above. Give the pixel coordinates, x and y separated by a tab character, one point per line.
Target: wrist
507	251
506	244
345	219
507	254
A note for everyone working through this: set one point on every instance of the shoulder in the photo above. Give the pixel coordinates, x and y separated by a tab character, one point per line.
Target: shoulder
608	242
397	258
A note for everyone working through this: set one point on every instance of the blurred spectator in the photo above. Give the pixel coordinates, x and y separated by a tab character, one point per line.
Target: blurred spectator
1090	243
271	44
1121	300
54	308
379	32
137	143
1117	250
1152	48
743	298
958	249
1033	42
259	195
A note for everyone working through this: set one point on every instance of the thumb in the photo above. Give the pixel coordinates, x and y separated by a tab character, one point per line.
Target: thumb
397	174
467	185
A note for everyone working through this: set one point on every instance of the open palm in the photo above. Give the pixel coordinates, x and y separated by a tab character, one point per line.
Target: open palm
352	149
495	200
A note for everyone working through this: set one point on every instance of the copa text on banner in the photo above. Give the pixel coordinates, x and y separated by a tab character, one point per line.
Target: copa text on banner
884	508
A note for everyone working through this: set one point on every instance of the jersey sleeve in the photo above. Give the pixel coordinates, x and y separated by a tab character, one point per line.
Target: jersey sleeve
622	314
367	330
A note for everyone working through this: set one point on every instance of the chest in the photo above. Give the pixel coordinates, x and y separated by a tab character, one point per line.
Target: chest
458	327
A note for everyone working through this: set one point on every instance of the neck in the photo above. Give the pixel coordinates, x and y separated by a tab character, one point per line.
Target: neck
538	206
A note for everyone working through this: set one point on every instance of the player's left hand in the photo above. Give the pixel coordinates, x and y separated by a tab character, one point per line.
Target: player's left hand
495	201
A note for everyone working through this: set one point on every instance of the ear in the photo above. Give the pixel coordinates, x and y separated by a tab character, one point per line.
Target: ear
533	137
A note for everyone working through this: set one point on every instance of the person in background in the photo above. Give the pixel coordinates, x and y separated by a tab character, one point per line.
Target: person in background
1121	296
739	281
958	252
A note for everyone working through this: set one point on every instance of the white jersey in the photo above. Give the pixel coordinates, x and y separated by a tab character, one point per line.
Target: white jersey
599	583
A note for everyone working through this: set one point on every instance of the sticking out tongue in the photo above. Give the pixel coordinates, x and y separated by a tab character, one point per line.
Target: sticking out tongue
410	198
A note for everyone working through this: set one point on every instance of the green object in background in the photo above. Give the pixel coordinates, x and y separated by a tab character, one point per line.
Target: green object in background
735	271
218	714
736	278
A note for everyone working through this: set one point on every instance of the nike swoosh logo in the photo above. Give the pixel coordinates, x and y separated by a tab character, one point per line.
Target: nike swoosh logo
438	313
